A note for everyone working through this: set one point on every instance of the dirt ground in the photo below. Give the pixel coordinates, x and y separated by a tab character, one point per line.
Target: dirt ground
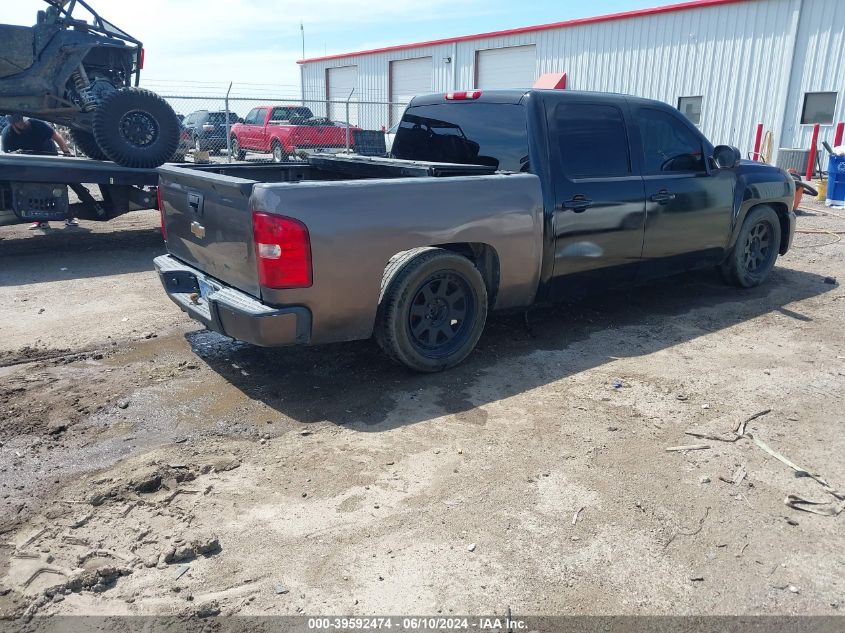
150	467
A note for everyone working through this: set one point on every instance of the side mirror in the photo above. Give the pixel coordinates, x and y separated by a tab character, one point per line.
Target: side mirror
726	156
240	120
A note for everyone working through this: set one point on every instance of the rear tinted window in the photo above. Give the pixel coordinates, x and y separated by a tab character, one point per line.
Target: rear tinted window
220	117
592	140
285	114
467	134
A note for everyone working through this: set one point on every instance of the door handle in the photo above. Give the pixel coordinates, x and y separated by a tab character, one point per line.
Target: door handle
663	196
578	204
195	201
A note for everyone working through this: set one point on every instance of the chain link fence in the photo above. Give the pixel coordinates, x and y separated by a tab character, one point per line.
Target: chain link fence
222	129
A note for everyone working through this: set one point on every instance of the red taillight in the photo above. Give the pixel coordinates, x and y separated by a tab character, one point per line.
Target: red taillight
141	60
185	135
161	212
283	251
463	96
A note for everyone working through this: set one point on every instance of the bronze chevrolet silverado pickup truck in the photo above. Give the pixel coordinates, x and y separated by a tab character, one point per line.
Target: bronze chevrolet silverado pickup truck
493	200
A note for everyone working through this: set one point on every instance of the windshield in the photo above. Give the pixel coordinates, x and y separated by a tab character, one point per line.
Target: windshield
468	134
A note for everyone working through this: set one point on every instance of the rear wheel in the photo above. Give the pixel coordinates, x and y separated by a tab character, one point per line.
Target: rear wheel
756	249
86	142
279	154
432	311
136	128
237	152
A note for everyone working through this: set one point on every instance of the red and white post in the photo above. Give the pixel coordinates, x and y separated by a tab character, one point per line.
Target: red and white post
840	131
811	159
755	156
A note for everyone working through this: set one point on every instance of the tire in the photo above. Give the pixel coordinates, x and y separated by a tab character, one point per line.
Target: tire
279	155
756	249
86	142
136	128
237	152
432	310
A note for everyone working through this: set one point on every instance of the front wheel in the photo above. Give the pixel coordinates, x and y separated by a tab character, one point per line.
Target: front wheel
237	152
136	128
756	249
279	155
432	311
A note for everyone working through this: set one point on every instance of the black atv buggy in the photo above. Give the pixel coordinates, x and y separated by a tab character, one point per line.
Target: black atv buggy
85	76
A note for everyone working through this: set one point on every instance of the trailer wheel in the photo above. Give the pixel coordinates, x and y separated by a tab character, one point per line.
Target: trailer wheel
756	249
432	310
86	142
136	128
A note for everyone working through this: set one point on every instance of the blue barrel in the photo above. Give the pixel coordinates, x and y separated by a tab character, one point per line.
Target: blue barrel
836	181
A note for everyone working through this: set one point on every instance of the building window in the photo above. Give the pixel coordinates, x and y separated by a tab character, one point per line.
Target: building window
691	107
818	108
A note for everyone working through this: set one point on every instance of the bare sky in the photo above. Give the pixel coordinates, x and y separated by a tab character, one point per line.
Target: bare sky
198	46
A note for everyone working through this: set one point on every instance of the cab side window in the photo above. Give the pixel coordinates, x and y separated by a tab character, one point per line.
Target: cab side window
251	117
592	140
669	146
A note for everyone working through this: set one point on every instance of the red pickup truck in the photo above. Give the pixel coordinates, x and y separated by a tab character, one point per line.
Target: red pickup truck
284	130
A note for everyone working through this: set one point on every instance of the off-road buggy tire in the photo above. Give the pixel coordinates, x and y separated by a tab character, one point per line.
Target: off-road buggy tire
136	128
86	142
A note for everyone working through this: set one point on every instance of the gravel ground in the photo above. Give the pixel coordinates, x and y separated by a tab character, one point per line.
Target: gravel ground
150	467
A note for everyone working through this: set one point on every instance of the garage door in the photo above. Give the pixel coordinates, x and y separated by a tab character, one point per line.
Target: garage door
340	83
513	67
408	78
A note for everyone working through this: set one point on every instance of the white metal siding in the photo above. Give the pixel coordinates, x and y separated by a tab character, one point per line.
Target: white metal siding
818	66
408	78
343	86
510	67
751	62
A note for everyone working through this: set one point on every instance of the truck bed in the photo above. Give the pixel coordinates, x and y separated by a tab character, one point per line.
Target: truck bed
359	212
338	167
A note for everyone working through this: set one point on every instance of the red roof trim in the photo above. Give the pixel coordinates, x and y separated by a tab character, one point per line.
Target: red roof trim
637	13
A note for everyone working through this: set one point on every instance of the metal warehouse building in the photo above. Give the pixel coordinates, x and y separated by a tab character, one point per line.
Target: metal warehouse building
727	64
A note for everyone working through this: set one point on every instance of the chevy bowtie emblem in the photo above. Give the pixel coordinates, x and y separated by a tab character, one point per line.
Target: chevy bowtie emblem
198	230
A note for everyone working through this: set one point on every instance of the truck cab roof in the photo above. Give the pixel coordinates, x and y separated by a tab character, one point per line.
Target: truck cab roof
509	96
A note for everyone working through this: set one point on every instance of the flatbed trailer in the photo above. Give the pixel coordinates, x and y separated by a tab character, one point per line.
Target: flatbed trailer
35	188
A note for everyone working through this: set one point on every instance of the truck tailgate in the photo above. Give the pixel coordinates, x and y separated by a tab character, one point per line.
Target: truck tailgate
208	222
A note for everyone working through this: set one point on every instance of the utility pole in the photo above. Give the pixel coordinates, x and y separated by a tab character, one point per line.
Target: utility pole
302	30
